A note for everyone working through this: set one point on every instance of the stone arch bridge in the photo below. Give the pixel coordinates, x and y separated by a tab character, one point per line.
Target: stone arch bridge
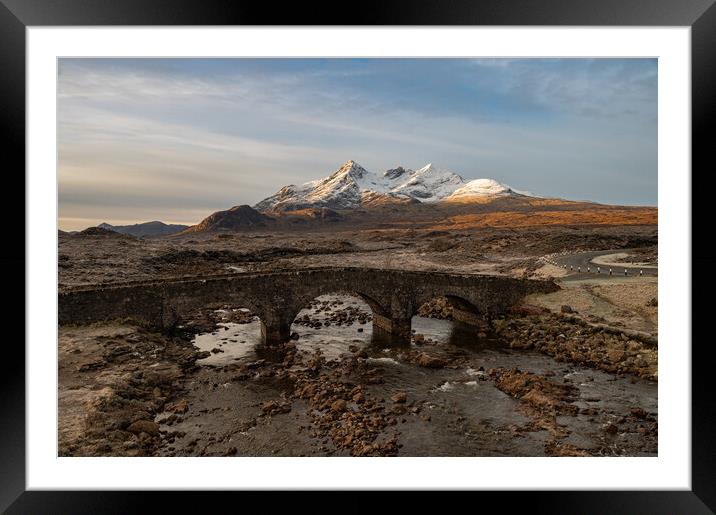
276	297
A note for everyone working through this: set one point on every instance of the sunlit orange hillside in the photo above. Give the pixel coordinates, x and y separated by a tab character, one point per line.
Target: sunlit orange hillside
599	215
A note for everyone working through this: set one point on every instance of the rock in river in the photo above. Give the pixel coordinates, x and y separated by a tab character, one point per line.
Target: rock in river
144	426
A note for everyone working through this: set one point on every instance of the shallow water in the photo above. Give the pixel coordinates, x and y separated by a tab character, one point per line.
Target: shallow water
235	341
469	415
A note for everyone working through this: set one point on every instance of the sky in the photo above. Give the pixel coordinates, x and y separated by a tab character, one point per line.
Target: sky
177	139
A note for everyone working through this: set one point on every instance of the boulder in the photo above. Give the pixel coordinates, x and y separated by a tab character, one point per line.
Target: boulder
399	397
144	426
427	361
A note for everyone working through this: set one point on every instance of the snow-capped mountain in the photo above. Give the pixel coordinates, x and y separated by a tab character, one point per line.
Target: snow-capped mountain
485	189
352	186
481	188
340	190
428	184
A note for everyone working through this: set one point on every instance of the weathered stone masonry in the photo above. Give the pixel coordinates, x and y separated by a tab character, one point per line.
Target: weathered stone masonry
276	297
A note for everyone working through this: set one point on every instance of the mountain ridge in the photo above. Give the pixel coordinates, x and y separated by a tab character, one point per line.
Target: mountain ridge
351	186
352	196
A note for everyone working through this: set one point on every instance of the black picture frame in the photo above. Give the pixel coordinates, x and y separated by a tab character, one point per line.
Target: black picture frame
16	15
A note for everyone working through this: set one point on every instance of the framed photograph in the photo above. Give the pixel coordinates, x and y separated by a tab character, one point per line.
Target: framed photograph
423	251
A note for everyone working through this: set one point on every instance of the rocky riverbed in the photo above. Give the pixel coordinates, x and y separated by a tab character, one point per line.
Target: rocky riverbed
113	381
569	373
532	385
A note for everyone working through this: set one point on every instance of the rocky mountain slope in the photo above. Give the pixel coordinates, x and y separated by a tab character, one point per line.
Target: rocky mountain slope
246	218
234	219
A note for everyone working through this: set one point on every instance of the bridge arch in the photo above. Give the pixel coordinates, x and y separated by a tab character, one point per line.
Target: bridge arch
278	323
348	314
465	311
464	306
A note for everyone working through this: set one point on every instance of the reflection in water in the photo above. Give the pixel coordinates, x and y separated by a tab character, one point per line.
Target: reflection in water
230	342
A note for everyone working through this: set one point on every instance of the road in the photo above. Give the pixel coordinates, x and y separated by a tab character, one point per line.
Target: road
581	265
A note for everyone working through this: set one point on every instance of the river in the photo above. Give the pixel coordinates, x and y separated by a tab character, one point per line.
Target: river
456	410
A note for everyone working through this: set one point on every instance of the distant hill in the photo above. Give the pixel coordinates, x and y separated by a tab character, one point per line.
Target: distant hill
100	231
235	219
146	229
